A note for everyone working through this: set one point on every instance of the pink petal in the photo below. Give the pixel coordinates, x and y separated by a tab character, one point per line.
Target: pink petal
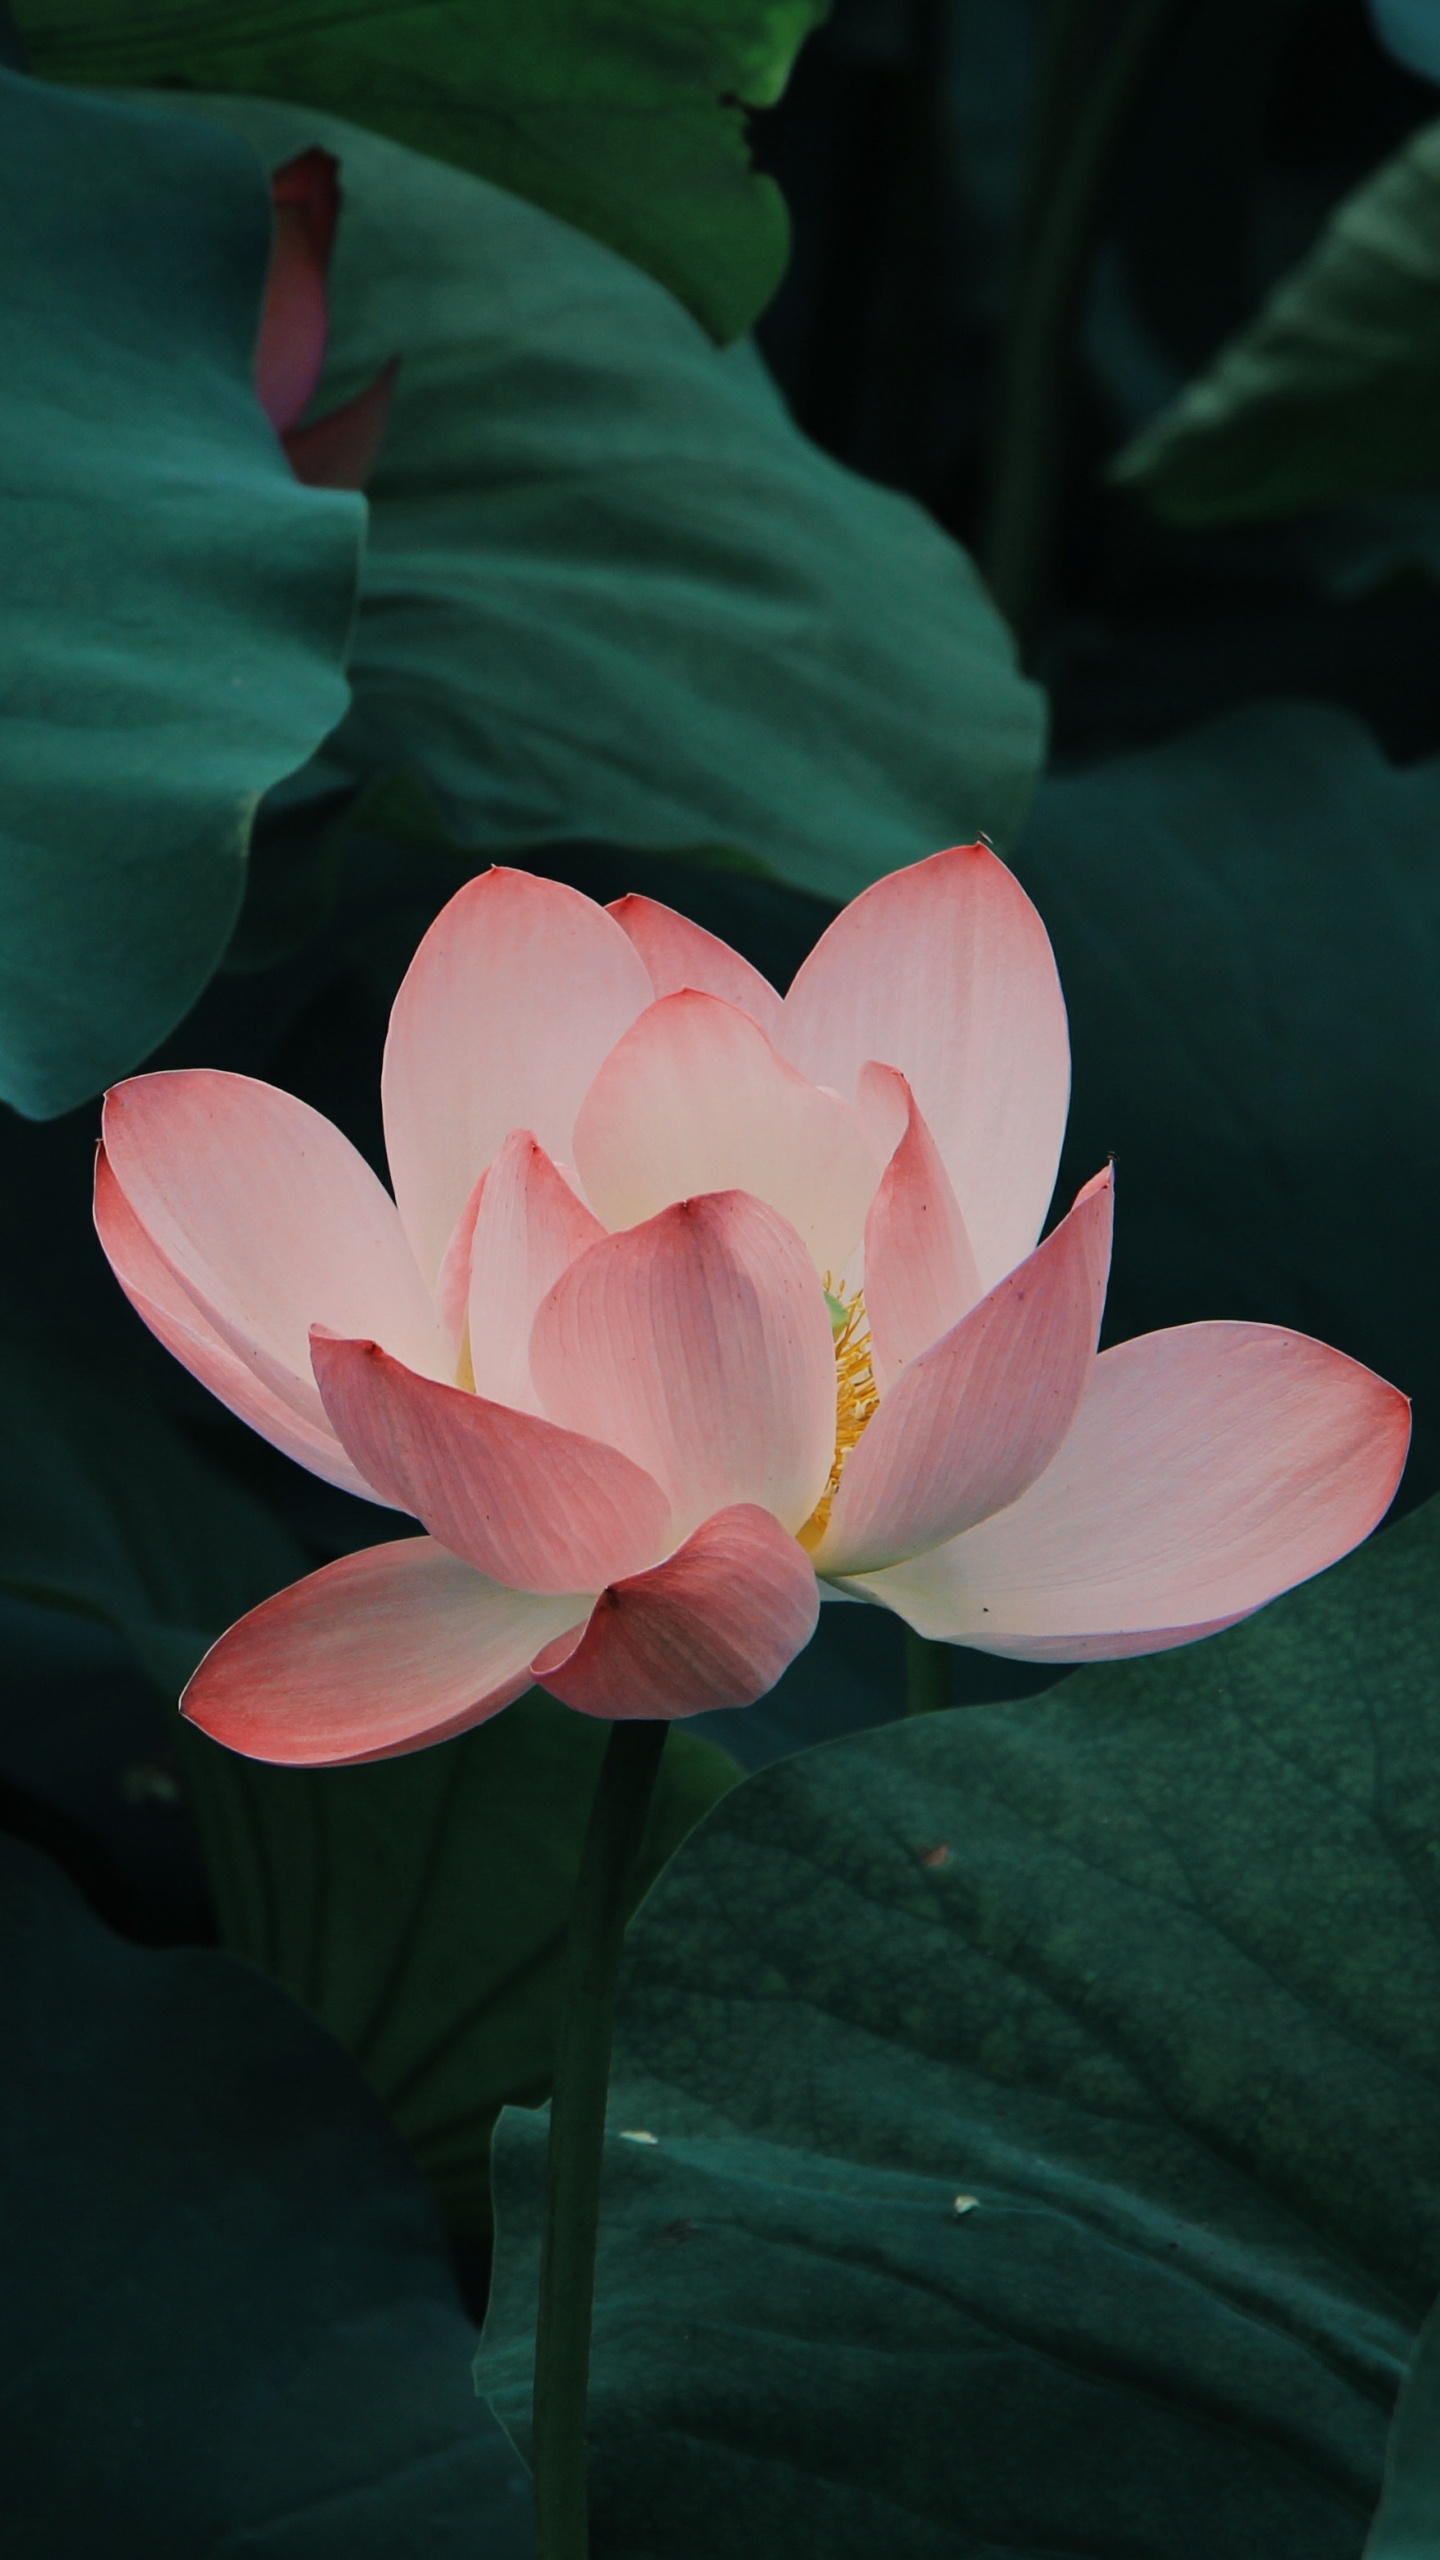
680	954
534	1507
1208	1469
340	450
452	1281
161	1302
529	1229
700	1344
977	1417
394	1647
294	323
270	1222
945	971
920	1274
714	1626
694	1099
518	991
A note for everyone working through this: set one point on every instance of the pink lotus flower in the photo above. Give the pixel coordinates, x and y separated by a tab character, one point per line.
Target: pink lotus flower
689	1300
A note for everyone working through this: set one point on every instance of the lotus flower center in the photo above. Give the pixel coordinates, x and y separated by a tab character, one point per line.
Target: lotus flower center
857	1398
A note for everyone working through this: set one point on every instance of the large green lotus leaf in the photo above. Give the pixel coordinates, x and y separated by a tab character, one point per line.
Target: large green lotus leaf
418	1906
626	117
611	591
1042	2119
1247	923
1333	391
227	2321
175	606
1408	2524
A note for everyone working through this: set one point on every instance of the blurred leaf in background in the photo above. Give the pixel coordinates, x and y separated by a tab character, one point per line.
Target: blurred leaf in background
1333	391
1039	2115
1408	2524
624	117
1247	923
175	607
610	590
228	2320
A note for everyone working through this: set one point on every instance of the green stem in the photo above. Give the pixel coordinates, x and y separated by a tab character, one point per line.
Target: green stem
603	1890
927	1675
1076	151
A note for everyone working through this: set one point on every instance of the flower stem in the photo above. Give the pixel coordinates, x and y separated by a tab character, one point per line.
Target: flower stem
927	1674
577	2131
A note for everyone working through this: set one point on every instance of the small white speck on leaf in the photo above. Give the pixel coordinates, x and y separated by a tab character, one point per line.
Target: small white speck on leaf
963	2205
640	2136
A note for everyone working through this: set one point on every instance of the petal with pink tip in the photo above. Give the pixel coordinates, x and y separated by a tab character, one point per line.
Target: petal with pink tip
532	1506
299	1427
694	1099
1208	1469
977	1417
394	1647
519	990
529	1229
714	1626
920	1274
700	1344
270	1222
680	954
945	971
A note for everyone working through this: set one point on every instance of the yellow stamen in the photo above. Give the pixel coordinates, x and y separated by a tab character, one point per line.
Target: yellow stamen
857	1398
465	1365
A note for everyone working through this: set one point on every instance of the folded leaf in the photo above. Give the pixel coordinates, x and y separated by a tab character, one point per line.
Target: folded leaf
175	608
610	590
206	2208
1041	2117
625	117
418	1909
1408	2524
1333	391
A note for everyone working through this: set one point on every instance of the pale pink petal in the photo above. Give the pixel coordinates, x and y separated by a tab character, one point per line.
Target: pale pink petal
1208	1469
532	1506
977	1417
694	1099
452	1284
920	1274
945	971
529	1229
680	954
714	1626
700	1344
394	1647
270	1222
160	1300
518	991
883	1100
